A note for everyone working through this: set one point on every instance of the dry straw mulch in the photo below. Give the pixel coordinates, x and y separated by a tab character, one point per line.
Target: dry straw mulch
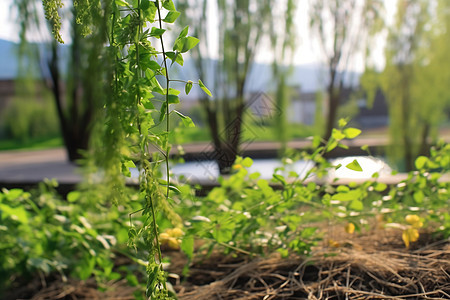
352	271
371	266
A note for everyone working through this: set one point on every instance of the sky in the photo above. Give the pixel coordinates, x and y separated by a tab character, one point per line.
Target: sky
308	51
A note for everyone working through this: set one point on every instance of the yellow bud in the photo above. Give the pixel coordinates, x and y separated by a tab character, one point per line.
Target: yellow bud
414	220
177	232
237	167
350	228
410	235
333	243
173	243
411	219
164	236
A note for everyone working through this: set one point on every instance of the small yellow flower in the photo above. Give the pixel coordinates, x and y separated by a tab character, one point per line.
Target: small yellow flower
333	243
171	238
175	232
410	235
414	220
237	166
164	236
173	243
350	228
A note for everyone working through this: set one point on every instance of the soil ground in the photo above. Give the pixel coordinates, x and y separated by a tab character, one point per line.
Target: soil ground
372	265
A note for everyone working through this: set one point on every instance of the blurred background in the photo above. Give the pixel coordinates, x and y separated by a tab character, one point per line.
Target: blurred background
279	71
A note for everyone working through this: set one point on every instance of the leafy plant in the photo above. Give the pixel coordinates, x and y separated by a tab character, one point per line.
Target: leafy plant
425	192
137	108
42	233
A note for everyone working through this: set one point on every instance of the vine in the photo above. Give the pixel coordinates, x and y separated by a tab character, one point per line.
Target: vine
132	133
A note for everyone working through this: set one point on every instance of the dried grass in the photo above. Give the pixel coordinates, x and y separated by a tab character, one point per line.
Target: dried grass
347	273
371	266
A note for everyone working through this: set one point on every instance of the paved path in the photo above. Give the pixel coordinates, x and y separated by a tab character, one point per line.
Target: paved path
34	166
30	167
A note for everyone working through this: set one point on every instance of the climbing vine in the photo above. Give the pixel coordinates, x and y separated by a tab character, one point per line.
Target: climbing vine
138	95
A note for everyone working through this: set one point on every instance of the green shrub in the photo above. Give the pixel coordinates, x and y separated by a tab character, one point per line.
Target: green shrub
41	233
26	118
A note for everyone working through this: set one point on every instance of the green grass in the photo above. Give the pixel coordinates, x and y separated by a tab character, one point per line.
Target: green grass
183	135
253	132
32	144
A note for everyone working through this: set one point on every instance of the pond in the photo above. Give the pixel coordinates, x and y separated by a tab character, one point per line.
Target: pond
201	171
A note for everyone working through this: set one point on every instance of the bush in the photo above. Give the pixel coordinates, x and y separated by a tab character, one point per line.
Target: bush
27	117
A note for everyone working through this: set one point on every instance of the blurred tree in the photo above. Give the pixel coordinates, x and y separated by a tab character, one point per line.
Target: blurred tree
434	75
283	41
415	78
76	92
413	65
344	29
241	27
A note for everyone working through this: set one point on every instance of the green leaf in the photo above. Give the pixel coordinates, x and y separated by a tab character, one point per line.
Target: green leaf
132	280
204	88
293	174
129	164
157	32
148	104
176	57
420	162
354	165
188	87
223	232
379	187
153	65
85	267
145	4
168	4
154	83
174	189
185	44
316	141
187	246
332	145
342	188
342	122
17	213
13	194
172	91
356	205
254	176
351	133
73	196
247	162
418	196
173	99
346	196
279	178
171	16
337	134
185	119
125	170
121	3
162	112
184	32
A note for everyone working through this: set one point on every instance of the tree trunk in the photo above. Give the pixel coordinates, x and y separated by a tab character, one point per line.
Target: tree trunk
74	129
424	145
